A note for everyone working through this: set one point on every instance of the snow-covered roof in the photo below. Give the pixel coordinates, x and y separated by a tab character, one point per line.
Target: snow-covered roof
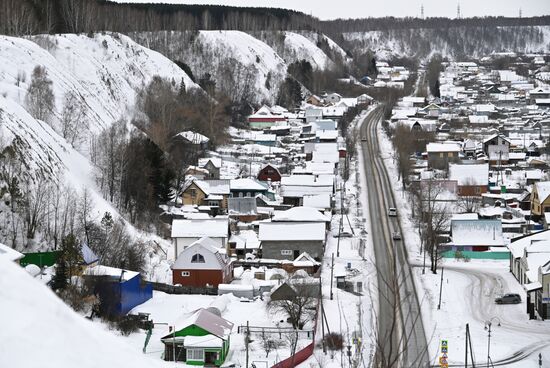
292	231
193	137
211	256
198	228
10	253
242	206
212	187
216	161
443	147
518	245
246	184
543	190
300	214
469	174
206	320
125	275
207	341
308	180
88	255
477	232
318	201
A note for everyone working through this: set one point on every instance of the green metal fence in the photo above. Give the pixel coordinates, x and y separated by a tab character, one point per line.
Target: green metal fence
477	255
41	258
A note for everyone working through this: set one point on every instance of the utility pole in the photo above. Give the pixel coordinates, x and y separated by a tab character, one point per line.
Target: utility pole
422	11
467	335
458	15
440	289
331	275
247	340
489	345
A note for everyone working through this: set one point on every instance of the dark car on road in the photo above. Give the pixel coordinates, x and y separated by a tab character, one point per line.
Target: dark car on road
509	299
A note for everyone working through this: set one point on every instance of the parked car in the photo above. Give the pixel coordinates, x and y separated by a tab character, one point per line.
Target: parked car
509	299
392	212
364	138
396	235
343	234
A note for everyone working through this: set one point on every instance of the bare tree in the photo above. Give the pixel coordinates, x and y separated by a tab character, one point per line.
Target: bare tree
73	121
40	97
299	306
434	215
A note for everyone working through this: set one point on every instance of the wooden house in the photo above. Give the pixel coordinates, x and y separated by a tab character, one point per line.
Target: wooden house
202	264
201	340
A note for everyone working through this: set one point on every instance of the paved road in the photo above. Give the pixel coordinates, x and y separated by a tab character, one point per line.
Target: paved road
401	337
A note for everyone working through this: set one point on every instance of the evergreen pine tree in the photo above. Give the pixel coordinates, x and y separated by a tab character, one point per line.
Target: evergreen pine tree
60	277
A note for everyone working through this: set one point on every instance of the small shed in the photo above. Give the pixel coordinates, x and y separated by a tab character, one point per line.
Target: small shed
119	290
201	340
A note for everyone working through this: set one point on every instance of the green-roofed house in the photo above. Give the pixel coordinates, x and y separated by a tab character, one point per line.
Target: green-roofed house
201	340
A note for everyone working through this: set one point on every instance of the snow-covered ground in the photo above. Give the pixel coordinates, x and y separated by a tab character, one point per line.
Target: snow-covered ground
468	293
40	330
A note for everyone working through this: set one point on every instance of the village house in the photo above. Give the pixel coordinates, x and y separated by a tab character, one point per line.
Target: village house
187	231
212	193
202	264
213	165
195	141
472	180
243	209
199	340
497	148
287	240
196	172
119	290
333	98
247	187
269	173
472	234
540	199
538	93
295	187
265	117
441	154
314	100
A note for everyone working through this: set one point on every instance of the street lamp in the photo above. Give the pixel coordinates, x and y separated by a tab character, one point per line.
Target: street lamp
487	327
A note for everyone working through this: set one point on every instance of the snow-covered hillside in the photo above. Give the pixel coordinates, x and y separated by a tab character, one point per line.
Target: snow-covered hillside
40	330
295	47
240	65
105	71
454	43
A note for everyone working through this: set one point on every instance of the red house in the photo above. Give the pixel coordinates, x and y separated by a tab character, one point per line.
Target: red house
269	173
202	264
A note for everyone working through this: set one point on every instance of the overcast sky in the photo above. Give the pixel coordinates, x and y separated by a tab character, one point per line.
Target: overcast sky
331	9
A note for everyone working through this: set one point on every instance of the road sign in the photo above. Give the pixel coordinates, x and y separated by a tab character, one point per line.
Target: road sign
443	360
444	343
443	349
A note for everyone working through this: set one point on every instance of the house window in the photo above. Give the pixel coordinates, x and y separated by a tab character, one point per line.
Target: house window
478	190
185	273
441	154
197	258
450	154
193	192
240	195
248	194
286	252
195	354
